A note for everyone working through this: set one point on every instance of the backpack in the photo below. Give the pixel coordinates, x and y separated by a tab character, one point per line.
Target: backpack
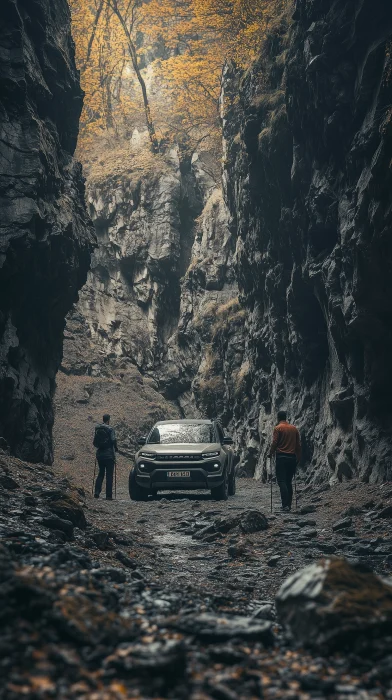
102	438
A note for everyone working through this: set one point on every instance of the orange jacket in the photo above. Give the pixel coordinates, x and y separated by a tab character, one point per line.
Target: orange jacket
286	440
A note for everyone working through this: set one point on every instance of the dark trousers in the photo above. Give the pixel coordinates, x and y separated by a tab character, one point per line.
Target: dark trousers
106	466
285	470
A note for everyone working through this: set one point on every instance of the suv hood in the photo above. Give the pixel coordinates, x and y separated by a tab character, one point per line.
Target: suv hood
182	449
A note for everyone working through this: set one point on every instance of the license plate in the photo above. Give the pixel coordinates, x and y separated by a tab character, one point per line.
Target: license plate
178	475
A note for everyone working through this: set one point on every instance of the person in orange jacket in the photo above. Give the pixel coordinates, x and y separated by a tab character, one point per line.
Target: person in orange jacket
286	444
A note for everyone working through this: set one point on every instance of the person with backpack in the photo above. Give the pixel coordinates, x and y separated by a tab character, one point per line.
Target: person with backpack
106	444
286	444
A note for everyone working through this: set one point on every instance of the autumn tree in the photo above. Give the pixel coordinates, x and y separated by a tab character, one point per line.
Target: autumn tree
126	13
177	87
106	38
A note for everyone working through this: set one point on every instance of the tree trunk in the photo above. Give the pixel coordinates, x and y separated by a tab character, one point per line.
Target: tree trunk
92	37
135	64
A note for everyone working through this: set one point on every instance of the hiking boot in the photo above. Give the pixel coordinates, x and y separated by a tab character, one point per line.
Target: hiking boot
96	495
109	498
286	509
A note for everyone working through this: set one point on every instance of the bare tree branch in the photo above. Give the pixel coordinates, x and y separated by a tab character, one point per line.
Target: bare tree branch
113	4
93	33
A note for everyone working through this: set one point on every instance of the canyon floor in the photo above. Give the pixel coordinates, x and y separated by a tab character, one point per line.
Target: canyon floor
175	598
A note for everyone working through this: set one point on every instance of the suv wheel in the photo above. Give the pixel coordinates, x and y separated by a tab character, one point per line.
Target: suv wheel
232	483
221	493
136	492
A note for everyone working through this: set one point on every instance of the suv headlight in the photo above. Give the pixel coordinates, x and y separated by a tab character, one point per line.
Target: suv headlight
208	455
148	455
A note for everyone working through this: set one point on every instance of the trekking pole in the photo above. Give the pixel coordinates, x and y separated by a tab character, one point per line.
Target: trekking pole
271	481
295	489
115	480
95	468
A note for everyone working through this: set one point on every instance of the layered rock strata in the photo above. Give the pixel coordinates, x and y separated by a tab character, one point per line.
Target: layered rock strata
308	148
46	236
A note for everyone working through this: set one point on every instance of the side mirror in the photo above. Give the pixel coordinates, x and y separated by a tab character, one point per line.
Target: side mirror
142	441
228	441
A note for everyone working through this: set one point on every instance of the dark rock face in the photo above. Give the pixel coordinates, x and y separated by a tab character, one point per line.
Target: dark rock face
45	232
308	183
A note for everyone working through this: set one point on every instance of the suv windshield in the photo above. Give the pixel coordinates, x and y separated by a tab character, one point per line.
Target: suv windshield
179	434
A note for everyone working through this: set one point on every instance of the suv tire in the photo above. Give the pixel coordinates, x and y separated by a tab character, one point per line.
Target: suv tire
232	483
221	493
136	492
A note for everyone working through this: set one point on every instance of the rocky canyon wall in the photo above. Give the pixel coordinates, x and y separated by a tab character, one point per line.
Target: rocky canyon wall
162	270
46	236
308	182
273	291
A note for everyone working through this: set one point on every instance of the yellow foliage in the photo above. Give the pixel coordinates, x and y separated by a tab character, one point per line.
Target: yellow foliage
116	45
112	158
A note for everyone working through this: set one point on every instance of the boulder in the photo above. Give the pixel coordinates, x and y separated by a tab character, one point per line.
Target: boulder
53	522
208	530
237	551
253	521
30	500
326	547
342	524
307	509
248	521
125	560
218	628
112	573
68	509
100	538
274	560
385	512
157	659
309	533
7	482
227	523
333	605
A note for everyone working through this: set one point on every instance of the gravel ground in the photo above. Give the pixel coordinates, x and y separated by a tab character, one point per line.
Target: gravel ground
175	598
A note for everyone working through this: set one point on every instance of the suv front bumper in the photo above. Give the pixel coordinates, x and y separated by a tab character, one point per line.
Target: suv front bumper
202	476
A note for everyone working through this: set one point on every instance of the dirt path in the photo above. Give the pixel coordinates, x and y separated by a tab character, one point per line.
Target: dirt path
167	525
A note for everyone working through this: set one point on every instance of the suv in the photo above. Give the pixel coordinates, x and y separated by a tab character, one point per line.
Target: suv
184	455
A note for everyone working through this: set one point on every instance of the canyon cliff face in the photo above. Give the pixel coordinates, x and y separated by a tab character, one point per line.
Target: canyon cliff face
272	291
144	224
308	179
161	284
46	237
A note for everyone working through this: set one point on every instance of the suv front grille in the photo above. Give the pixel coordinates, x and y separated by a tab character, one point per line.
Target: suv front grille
179	458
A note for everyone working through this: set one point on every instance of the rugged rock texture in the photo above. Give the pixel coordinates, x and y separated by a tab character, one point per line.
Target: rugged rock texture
130	304
159	297
333	605
308	180
278	292
194	365
100	600
45	233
